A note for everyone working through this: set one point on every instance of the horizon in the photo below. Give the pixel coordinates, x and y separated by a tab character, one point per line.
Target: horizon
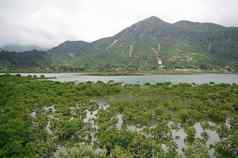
49	23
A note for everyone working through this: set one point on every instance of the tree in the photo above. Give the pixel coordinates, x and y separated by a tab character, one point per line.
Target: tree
197	150
77	151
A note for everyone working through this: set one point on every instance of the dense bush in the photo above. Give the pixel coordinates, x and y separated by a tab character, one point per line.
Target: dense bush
36	117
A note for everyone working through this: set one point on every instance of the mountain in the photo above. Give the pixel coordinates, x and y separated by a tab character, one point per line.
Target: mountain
22	48
71	47
153	44
28	59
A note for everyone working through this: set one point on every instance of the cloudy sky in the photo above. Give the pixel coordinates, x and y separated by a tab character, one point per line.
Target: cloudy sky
50	22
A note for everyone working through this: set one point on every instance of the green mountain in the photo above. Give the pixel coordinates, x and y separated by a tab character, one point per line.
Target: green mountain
24	60
152	44
22	48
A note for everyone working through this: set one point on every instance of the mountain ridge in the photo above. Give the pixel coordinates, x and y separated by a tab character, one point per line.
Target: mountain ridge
22	48
154	18
154	44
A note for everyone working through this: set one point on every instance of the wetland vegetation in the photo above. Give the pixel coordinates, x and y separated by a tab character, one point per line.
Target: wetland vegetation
48	119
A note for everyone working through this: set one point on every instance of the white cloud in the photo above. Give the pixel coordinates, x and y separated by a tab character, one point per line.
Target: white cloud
49	22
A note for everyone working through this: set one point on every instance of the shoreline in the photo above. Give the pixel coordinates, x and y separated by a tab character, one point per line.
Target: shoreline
123	73
150	73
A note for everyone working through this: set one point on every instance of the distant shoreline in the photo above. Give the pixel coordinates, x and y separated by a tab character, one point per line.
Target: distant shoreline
149	73
125	73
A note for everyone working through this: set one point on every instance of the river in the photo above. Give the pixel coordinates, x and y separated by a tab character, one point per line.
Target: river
141	79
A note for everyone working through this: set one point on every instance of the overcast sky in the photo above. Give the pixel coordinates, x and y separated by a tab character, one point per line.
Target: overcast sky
49	22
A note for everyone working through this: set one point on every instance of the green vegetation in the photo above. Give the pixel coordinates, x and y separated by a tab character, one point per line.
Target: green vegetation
110	120
149	45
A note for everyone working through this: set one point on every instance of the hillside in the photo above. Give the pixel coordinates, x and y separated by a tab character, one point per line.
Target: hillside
22	48
152	44
24	60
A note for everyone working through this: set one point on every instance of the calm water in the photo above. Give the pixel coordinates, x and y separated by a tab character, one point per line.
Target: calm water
196	78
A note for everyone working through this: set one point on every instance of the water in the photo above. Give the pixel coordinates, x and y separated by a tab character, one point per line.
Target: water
102	103
51	110
91	117
48	128
179	136
33	115
120	121
228	123
177	78
133	128
213	137
199	130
